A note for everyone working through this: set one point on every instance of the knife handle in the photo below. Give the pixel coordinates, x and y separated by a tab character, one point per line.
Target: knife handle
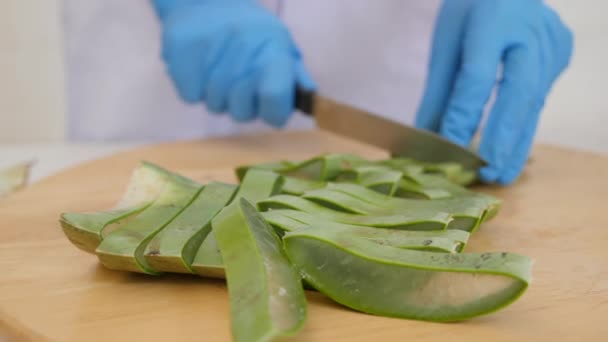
304	101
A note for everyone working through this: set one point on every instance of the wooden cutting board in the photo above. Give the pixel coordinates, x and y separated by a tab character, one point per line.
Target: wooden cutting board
51	290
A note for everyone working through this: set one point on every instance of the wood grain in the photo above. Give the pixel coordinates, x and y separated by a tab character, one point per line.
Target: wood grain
51	290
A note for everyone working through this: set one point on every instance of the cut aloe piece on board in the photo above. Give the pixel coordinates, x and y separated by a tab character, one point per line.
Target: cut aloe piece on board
266	295
379	178
450	241
270	166
257	184
467	212
173	248
14	178
124	248
325	167
86	230
298	186
414	284
411	220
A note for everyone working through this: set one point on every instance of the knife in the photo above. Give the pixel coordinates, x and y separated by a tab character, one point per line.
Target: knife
400	140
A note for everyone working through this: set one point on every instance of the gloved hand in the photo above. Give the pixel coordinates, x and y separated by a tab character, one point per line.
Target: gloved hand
233	55
472	40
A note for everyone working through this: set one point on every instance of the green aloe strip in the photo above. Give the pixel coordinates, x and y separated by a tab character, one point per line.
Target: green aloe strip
266	295
123	249
389	281
256	185
411	219
173	248
86	230
450	241
468	212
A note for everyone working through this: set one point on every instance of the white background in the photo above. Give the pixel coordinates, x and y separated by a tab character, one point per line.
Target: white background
32	104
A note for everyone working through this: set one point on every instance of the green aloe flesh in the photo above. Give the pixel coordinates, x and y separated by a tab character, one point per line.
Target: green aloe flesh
324	168
257	184
414	284
467	212
86	230
410	220
266	295
451	241
173	248
124	248
298	186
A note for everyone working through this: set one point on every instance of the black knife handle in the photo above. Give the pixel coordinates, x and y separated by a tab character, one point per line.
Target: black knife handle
304	101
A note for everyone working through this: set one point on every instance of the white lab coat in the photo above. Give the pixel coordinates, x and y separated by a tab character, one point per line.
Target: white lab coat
372	54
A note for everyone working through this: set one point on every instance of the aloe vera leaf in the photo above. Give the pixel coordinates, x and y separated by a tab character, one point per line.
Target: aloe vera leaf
86	230
174	247
324	167
298	186
257	184
467	212
415	284
438	241
412	220
124	248
266	296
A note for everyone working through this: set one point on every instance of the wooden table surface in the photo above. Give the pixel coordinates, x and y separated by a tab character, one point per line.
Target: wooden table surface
51	290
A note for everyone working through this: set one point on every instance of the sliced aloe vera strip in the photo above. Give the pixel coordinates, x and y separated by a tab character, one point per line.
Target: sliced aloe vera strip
174	247
271	166
124	248
86	230
298	186
466	211
266	295
379	178
257	184
438	241
325	167
415	284
411	220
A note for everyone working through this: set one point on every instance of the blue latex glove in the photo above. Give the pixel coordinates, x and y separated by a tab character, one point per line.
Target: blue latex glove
472	40
233	55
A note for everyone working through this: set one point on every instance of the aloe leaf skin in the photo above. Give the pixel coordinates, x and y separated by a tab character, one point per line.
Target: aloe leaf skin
256	185
174	247
420	285
450	241
86	230
410	220
266	295
124	248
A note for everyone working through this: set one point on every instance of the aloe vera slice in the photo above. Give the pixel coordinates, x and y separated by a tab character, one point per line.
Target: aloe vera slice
124	248
173	248
450	241
468	212
410	220
14	178
277	167
266	295
415	284
298	186
86	230
257	184
325	167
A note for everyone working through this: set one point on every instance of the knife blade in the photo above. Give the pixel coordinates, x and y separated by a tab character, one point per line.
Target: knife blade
398	139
